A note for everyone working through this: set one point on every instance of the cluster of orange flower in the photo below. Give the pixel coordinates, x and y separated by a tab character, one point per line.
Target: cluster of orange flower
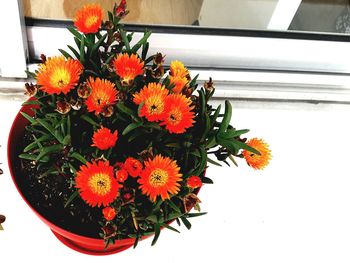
98	181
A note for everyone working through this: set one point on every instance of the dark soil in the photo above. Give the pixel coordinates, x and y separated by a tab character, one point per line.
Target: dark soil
47	195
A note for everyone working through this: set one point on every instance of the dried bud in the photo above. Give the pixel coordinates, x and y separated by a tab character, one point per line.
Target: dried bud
107	111
190	201
158	59
1	171
63	107
158	72
108	25
120	10
43	58
118	37
146	154
209	85
84	90
109	230
31	89
2	219
76	105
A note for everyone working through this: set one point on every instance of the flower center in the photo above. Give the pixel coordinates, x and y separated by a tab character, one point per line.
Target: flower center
175	116
155	105
101	98
91	20
158	178
100	184
60	78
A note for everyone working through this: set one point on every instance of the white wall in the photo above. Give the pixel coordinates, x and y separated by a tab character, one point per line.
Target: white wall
297	210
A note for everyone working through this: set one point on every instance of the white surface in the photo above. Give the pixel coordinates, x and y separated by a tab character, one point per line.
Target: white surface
13	44
283	14
297	210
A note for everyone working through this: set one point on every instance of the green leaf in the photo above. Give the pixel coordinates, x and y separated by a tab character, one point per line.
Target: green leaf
145	48
170	227
227	117
76	53
136	240
202	103
152	218
207	180
31	102
97	45
125	40
71	198
123	108
37	142
141	42
215	116
244	146
74	32
213	162
230	134
64	53
174	206
89	120
78	157
131	127
186	222
48	127
232	160
67	140
82	50
194	80
30	119
48	150
31	157
190	215
156	233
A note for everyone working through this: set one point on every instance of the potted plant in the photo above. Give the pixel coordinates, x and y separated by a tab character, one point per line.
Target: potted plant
113	146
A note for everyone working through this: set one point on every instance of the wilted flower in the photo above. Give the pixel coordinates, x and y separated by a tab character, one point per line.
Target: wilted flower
31	89
63	107
190	201
109	230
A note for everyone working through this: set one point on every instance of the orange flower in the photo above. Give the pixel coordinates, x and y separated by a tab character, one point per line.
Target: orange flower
179	82
109	213
194	181
160	177
58	75
121	175
178	69
88	19
103	94
128	67
257	161
104	139
178	115
96	183
153	97
133	166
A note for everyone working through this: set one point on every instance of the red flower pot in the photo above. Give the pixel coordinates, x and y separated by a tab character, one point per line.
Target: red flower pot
83	244
77	242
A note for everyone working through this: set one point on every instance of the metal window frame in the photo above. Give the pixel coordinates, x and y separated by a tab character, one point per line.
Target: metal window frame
245	64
